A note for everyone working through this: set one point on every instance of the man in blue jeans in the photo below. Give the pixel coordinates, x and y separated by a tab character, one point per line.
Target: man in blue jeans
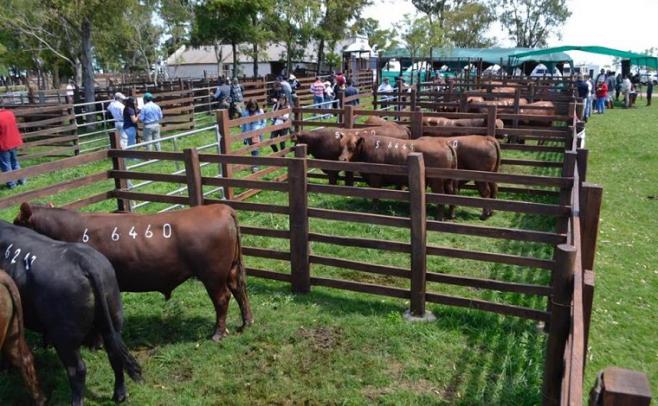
10	140
151	115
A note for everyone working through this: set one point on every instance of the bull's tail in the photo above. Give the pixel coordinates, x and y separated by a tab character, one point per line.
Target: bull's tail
238	278
111	337
498	155
6	281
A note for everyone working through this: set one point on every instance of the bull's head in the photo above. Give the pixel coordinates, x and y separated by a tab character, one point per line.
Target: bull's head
24	216
349	145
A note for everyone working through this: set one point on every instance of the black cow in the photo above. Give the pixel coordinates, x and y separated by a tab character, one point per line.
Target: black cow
71	296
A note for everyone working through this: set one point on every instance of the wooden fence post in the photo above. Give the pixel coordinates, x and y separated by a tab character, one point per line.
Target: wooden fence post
416	124
531	93
590	209
618	386
374	98
225	148
414	100
341	97
298	116
589	280
559	324
517	106
462	102
581	160
298	203
193	174
119	164
492	112
348	116
417	209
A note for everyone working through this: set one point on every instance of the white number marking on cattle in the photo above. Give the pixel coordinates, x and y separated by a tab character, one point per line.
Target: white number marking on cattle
8	252
132	232
148	233
404	146
85	236
16	254
390	145
27	262
396	145
337	135
166	230
377	144
411	147
115	235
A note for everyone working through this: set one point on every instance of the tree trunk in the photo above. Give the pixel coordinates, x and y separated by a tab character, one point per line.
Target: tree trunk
234	48
320	56
56	82
254	22
288	58
87	66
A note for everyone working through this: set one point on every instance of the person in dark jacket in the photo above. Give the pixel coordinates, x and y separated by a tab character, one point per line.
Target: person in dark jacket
10	140
351	90
649	91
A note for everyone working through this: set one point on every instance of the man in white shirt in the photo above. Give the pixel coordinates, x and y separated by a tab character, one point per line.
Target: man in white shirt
385	87
626	87
116	110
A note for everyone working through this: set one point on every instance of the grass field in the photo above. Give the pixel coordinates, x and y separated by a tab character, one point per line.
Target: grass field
338	347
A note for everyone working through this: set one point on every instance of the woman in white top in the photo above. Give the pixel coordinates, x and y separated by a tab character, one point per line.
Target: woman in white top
281	104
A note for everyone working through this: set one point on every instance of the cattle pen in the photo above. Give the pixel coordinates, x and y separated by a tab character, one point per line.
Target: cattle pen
541	245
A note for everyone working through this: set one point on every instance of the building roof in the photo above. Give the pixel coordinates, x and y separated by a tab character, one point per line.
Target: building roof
635	58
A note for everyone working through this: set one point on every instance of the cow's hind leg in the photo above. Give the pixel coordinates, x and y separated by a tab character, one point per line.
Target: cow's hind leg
75	370
220	296
116	361
485	192
238	287
18	354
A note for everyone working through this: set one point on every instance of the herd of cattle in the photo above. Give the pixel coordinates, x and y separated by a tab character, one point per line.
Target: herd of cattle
66	269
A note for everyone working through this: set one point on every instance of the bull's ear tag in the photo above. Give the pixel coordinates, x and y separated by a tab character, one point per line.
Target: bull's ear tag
454	143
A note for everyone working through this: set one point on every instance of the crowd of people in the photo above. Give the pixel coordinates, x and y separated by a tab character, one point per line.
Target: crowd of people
603	90
126	117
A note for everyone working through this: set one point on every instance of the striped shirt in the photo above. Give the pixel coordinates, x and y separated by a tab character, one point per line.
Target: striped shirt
317	88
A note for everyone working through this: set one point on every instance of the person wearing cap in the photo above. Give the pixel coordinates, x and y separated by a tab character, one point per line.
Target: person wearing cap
115	108
385	87
237	99
151	115
294	83
10	140
287	89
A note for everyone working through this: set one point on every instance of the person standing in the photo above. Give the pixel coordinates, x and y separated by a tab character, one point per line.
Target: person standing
619	81
590	96
649	91
351	90
385	87
287	89
252	109
10	140
626	86
294	83
317	88
151	115
116	110
130	120
70	92
582	88
282	104
237	100
611	82
328	93
223	94
601	96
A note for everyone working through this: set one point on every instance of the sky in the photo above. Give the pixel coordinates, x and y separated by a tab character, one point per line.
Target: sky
626	25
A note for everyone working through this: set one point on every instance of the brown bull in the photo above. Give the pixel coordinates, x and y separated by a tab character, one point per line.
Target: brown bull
402	131
158	252
437	153
477	104
458	122
478	153
12	338
324	144
542	109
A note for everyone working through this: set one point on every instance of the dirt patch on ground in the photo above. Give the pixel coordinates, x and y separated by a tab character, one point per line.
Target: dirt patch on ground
321	338
395	370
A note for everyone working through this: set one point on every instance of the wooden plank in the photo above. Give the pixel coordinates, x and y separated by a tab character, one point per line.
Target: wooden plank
497	232
265	253
89	200
146	155
360	266
246	120
361	287
244	160
49	167
418	232
151	197
259	273
52	189
500	204
248	206
265	232
531	162
250	184
367	218
509	310
41	123
193	175
530	180
50	131
499	258
155	177
361	242
478	283
361	167
364	192
530	148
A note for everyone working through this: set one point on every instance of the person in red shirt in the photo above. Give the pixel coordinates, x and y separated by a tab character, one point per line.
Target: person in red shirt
10	140
601	97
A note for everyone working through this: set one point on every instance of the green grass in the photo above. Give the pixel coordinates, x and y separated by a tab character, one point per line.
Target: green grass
339	347
624	160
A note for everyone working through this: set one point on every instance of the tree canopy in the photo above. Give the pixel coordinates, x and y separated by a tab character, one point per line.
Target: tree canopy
531	22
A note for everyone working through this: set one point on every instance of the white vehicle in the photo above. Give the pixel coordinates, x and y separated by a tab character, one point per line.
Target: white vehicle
542	71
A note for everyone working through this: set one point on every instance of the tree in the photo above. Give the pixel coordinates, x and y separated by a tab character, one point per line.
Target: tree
294	22
333	25
413	32
531	22
224	21
176	16
379	39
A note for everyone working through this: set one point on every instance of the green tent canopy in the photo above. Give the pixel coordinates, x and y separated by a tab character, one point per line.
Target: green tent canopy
635	58
493	56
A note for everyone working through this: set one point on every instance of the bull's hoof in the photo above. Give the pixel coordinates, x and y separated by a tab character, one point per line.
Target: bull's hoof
217	337
245	325
485	216
120	396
